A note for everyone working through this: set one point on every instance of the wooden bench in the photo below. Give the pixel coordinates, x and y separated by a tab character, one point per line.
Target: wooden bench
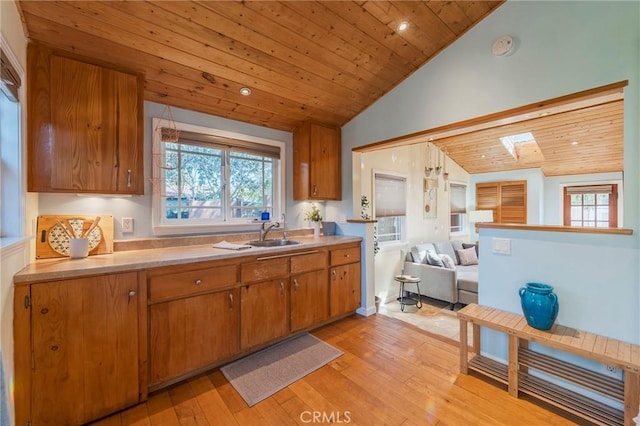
521	358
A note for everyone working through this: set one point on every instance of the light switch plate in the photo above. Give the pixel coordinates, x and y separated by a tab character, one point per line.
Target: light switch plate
501	245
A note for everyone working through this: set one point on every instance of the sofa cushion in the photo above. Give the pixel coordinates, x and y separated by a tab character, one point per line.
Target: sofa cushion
456	245
433	259
468	256
419	252
475	246
468	281
449	263
445	248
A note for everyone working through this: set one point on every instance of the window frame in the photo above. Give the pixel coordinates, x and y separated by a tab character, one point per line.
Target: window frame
163	226
615	201
463	216
404	219
16	231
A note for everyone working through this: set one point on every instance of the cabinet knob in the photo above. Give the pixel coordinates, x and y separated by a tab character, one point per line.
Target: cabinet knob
230	300
346	255
295	283
315	189
132	293
197	282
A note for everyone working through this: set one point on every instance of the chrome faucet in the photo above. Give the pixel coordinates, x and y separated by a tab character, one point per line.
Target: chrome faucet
264	231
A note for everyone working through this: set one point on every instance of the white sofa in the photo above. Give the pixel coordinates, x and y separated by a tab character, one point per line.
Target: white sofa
458	285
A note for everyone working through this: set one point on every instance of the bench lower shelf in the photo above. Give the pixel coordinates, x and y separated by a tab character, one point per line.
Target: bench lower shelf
570	401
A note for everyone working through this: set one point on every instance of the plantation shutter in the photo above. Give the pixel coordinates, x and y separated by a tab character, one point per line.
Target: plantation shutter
507	200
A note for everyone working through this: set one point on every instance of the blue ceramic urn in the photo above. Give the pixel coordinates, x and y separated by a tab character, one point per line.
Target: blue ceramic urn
539	305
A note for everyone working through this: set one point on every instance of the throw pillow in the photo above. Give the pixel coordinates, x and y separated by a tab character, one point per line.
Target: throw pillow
419	252
433	259
448	261
445	248
475	246
468	256
457	245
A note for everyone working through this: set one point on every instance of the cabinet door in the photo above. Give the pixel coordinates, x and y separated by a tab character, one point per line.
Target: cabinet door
309	299
317	162
188	334
264	313
94	128
85	126
85	348
345	289
325	164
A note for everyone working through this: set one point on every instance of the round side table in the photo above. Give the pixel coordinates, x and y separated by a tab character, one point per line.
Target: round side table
406	300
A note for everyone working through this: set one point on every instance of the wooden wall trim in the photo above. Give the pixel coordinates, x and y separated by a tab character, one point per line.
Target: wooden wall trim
556	228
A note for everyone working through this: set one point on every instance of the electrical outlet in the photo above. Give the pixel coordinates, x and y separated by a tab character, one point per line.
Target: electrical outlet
610	370
127	225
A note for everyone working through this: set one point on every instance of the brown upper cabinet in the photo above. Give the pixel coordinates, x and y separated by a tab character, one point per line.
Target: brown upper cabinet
85	125
317	162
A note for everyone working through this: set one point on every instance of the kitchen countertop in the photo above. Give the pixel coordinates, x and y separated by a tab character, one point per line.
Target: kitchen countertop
134	260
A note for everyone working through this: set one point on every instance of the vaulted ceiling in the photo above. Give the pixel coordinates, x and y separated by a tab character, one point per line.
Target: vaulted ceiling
320	60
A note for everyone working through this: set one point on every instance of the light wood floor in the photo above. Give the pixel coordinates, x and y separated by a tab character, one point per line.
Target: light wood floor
391	373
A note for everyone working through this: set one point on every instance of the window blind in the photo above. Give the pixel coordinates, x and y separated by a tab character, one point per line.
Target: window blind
458	198
9	78
590	189
220	142
390	195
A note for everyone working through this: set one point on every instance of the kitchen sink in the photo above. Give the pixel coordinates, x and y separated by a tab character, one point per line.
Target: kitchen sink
273	243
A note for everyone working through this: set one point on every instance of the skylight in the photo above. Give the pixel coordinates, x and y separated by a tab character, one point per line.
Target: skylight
510	142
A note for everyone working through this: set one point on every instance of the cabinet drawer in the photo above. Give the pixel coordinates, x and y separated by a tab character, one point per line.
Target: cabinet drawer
264	270
192	282
347	255
309	262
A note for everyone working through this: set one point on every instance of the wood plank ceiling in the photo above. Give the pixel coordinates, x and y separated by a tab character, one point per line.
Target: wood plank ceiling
581	141
321	60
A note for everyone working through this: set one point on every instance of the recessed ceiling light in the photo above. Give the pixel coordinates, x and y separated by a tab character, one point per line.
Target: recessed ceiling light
402	26
245	91
574	143
484	156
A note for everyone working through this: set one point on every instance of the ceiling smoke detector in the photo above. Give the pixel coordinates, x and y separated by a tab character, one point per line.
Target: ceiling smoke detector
502	46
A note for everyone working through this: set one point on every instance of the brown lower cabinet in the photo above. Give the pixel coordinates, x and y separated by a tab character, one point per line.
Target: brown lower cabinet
192	333
263	312
309	301
88	347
